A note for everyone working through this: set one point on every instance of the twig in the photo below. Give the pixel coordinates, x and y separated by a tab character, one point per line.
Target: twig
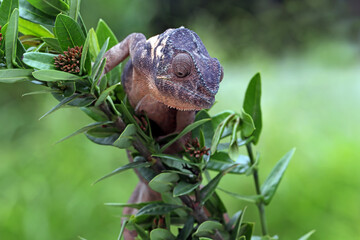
198	211
260	205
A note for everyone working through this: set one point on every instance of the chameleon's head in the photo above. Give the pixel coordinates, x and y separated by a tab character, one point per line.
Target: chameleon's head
185	76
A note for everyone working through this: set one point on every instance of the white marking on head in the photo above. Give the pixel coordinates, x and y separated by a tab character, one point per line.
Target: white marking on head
153	42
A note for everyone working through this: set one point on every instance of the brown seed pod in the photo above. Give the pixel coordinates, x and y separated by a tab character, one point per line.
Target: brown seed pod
69	61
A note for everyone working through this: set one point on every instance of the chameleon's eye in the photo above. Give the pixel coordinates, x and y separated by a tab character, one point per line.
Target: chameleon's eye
182	64
222	74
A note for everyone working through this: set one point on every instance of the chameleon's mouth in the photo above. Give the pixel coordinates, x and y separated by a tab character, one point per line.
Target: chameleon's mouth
177	95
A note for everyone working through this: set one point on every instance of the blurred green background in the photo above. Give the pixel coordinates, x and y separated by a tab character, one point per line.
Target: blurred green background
308	55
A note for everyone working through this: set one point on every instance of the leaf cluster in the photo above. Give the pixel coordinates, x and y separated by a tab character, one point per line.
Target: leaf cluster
36	31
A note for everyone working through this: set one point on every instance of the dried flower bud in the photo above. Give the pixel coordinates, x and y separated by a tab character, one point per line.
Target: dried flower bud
141	122
193	148
69	61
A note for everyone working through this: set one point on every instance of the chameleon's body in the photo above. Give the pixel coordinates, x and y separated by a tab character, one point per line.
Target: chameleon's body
169	77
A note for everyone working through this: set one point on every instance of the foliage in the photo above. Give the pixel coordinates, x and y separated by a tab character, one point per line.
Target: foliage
36	53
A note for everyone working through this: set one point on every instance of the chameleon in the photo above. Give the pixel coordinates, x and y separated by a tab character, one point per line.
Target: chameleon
169	77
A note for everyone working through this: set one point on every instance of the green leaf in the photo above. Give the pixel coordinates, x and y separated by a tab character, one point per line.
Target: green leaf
183	188
187	229
161	234
6	8
232	222
84	129
246	230
307	236
202	138
184	132
131	205
173	158
234	151
207	128
39	60
4	28
103	32
11	39
208	229
68	32
94	46
168	198
102	136
141	232
126	137
218	133
163	182
221	161
41	92
157	209
15	75
251	199
99	80
234	131
14	49
20	50
54	75
83	100
53	43
128	117
30	13
123	225
85	62
96	69
253	166
60	105
252	104
123	168
105	93
74	9
247	125
272	182
147	173
94	113
108	141
114	76
207	191
103	132
80	21
236	230
216	206
220	117
69	90
29	28
51	7
33	43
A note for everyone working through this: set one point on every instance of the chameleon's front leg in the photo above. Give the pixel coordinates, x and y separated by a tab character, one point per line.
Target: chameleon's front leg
122	50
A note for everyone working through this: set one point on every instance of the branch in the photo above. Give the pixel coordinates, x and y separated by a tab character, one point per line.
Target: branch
260	205
158	167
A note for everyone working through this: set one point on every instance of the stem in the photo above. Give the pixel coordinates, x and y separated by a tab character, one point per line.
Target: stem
260	205
198	213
